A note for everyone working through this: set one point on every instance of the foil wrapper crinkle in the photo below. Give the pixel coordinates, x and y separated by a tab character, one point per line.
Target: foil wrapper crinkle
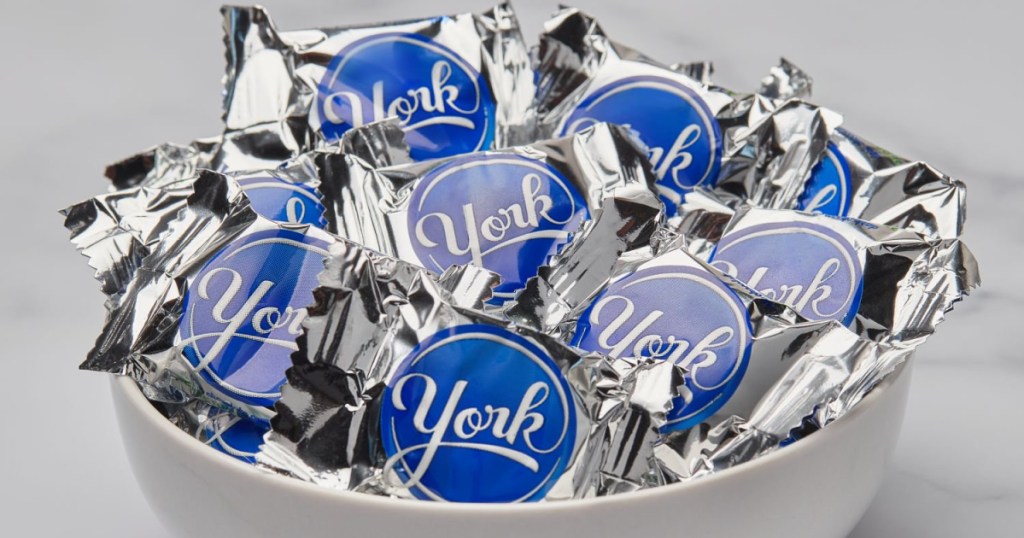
287	92
536	197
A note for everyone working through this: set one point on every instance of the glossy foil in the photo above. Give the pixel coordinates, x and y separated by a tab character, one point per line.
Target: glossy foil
797	157
507	211
402	387
456	84
212	312
685	121
546	306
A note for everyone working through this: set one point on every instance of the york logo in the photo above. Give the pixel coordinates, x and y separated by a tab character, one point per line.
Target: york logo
683	137
477	414
503	212
805	266
284	201
681	314
828	189
444	105
245	309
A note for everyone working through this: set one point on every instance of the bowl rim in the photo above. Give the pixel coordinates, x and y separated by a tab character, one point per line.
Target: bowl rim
298	487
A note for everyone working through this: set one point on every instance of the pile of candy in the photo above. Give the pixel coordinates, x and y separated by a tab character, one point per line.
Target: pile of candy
425	261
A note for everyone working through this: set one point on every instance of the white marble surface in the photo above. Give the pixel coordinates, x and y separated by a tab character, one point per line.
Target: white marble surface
87	82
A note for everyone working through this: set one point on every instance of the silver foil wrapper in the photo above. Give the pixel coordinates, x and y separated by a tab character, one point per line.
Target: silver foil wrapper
768	163
783	82
701	72
797	157
786	81
506	210
211	312
658	301
584	77
686	121
887	284
907	285
116	230
823	384
163	165
346	419
620	234
219	428
457	83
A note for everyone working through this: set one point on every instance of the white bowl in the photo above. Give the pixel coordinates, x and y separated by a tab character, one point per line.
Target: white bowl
818	487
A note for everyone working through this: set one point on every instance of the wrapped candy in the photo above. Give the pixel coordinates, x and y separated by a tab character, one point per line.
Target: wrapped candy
506	210
212	312
796	157
116	230
456	83
402	271
887	284
685	121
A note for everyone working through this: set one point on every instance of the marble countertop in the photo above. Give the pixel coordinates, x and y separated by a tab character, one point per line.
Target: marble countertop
86	83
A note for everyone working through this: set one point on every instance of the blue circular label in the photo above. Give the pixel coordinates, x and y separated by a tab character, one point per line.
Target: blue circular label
504	212
443	103
244	311
805	266
476	413
828	190
237	437
284	201
681	133
680	314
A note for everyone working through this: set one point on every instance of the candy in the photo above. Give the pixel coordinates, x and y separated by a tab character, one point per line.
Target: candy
677	311
507	211
457	83
887	284
798	158
213	311
686	122
116	230
804	265
660	302
585	78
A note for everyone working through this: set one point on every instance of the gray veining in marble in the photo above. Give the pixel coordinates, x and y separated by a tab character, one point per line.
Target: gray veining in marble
87	82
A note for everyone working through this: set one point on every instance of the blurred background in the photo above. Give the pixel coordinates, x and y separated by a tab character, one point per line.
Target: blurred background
86	83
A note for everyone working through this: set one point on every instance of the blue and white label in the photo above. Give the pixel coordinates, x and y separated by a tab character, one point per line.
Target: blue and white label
445	106
237	437
503	212
680	314
828	190
805	266
476	413
284	201
244	311
681	133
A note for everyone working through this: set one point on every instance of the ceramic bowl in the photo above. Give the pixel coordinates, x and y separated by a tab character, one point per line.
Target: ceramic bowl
818	487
